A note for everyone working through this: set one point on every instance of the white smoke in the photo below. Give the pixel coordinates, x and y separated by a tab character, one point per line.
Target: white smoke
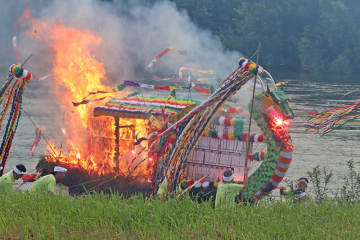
132	35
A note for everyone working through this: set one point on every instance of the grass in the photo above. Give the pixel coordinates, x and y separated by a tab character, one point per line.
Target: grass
26	216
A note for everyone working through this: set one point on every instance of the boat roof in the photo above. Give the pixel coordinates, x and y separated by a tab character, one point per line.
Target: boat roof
140	107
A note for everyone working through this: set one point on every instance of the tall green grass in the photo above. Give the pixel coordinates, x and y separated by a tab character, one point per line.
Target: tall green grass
112	217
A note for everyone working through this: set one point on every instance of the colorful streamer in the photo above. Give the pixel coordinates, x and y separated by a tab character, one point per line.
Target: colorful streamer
157	57
38	135
13	89
144	105
128	83
335	118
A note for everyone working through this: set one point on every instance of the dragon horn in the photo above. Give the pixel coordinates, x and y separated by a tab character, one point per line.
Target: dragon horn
267	90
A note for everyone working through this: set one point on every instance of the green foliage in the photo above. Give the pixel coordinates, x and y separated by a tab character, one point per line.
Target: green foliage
350	191
318	36
26	216
320	181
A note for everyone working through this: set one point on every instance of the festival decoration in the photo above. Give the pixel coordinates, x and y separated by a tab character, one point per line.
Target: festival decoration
271	113
231	129
157	57
191	127
12	89
38	135
334	118
235	110
257	156
128	83
142	106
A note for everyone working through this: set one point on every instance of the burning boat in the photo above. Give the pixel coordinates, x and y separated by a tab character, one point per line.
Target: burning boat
107	134
118	131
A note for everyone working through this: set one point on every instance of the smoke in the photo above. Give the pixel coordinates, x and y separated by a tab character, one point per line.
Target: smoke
132	35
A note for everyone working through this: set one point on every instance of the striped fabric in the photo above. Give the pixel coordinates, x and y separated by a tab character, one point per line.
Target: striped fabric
143	105
279	173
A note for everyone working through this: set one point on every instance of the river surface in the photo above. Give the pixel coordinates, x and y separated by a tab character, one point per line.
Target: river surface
331	151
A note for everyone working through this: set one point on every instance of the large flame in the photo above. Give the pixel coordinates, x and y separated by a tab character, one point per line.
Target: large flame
90	142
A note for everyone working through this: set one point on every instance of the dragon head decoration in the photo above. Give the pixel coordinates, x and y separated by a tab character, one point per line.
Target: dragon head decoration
275	105
272	113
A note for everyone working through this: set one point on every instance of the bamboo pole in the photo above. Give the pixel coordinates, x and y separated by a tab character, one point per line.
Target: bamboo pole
138	164
117	144
25	61
190	187
246	177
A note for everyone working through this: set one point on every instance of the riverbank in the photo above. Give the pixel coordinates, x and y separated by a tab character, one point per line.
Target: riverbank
112	217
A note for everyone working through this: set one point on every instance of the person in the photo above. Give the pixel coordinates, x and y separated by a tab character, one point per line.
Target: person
46	184
298	195
227	191
161	193
7	180
27	181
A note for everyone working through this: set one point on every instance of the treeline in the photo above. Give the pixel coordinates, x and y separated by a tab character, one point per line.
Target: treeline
319	36
316	36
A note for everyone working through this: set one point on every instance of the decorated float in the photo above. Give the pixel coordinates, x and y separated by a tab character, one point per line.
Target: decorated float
125	141
157	138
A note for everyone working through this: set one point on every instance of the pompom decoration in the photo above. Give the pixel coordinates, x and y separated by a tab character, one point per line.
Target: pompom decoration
27	76
184	185
189	183
205	184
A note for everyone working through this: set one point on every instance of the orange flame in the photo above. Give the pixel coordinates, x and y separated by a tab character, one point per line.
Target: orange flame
90	142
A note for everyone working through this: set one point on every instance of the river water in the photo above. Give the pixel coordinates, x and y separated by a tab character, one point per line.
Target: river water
331	151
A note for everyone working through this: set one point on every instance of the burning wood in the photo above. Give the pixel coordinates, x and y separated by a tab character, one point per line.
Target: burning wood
97	146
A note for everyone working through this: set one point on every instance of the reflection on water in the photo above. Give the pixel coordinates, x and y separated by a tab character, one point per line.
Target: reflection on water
332	150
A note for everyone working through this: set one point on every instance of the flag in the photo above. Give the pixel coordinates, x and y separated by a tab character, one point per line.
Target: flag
133	94
38	132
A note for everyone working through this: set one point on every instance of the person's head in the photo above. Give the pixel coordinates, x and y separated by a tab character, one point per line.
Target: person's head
18	171
59	173
302	183
228	176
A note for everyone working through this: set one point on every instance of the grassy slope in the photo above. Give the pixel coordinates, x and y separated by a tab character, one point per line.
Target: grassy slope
94	217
